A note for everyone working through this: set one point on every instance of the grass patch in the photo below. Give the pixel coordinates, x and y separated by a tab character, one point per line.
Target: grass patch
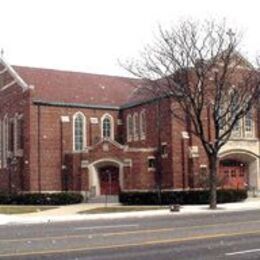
23	209
120	209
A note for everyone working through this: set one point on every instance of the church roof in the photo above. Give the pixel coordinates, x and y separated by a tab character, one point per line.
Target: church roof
77	87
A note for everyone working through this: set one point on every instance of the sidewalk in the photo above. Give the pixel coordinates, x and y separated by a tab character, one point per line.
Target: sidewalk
69	213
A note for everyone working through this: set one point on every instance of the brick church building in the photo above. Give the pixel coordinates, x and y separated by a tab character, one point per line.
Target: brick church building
70	131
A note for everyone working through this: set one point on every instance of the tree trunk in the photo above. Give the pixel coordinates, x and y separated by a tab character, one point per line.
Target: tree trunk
213	181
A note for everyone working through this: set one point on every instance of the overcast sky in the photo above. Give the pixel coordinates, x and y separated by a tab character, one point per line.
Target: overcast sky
90	35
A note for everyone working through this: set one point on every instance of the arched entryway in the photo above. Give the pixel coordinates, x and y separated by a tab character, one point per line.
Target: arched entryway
239	169
105	177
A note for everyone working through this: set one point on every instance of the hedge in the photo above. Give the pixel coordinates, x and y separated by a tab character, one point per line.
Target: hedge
180	197
62	198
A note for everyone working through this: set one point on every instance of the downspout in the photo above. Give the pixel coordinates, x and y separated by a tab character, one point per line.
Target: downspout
190	160
62	170
39	147
209	123
183	164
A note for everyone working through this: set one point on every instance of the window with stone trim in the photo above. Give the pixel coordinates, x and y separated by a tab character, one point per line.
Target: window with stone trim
136	126
4	141
1	143
243	128
11	135
248	124
129	127
107	130
164	152
236	132
142	125
19	133
79	132
151	163
221	118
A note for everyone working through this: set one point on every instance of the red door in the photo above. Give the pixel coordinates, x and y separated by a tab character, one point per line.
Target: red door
233	174
109	180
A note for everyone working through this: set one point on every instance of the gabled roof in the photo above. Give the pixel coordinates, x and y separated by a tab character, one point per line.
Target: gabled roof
77	87
16	78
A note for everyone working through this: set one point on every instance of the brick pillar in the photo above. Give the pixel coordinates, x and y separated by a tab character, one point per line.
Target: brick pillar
84	180
196	172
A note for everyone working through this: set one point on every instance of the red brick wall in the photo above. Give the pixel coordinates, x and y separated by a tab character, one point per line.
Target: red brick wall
47	140
47	120
14	100
135	177
153	112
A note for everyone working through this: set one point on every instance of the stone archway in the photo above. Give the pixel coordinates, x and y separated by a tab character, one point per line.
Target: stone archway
105	177
247	164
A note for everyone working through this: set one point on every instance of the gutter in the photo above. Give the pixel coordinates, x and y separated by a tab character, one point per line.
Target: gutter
76	105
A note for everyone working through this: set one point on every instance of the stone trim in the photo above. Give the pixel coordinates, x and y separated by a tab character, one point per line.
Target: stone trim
8	85
17	78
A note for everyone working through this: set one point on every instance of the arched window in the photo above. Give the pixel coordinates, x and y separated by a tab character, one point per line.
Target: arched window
234	100
1	144
248	123
136	127
79	132
129	128
107	130
142	125
221	118
236	132
5	141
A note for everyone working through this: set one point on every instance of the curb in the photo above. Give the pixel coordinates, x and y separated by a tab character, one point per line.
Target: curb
19	220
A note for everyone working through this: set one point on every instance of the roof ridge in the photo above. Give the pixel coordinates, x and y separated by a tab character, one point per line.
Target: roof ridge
71	71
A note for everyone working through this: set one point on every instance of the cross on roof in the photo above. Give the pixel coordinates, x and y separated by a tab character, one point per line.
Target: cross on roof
231	34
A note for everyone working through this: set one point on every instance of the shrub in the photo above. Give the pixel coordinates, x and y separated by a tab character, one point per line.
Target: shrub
62	198
180	197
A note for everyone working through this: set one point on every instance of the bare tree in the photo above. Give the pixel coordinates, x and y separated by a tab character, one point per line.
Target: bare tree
199	67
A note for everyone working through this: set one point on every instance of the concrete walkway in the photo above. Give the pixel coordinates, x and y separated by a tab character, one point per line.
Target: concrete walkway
69	213
69	209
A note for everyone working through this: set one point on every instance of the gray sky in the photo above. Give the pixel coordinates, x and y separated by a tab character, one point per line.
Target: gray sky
90	35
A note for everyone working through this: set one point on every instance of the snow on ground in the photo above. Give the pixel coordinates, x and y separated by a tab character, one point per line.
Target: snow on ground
184	210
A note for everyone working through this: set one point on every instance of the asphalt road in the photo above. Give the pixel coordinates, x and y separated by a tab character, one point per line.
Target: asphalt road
208	236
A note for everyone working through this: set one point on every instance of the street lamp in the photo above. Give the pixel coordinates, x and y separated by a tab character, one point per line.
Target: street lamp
109	174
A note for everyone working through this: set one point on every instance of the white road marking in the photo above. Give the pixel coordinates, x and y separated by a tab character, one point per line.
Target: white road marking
105	227
243	252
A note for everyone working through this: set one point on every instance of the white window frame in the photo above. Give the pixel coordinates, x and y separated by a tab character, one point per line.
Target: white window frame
5	141
11	152
15	133
142	125
1	145
84	131
165	154
129	132
237	131
17	151
151	168
249	133
136	126
112	135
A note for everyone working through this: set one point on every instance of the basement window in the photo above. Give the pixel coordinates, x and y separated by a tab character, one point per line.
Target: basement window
151	163
164	150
